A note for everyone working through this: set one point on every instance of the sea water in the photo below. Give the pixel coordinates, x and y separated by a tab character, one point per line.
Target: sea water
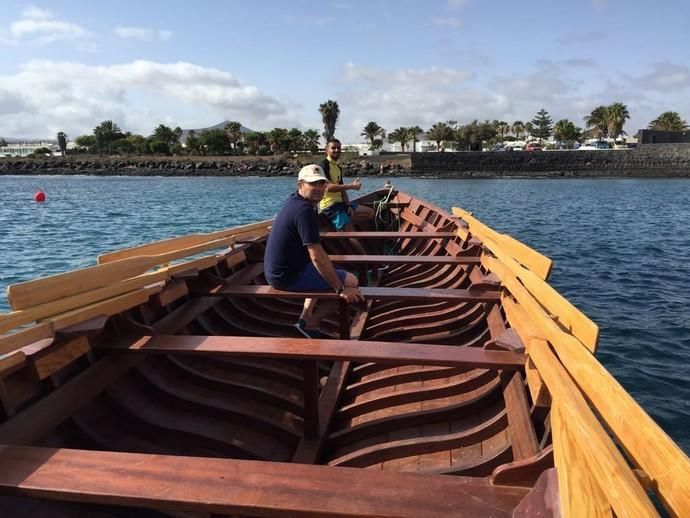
621	248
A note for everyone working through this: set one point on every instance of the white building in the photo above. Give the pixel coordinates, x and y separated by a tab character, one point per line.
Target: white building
21	149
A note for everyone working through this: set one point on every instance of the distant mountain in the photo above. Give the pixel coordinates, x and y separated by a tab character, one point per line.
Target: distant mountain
220	125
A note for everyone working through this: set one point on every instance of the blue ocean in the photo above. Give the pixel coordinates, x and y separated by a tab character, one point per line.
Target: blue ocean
621	248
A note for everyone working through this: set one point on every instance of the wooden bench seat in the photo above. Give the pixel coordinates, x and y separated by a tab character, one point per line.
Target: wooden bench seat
229	486
387	235
302	348
404	259
409	294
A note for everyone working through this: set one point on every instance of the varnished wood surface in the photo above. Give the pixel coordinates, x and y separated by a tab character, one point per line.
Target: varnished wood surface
409	294
378	352
387	235
244	487
404	259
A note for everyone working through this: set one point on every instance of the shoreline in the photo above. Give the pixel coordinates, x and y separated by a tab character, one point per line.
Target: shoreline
482	165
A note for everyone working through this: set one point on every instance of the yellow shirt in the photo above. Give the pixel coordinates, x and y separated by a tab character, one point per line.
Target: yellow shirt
335	174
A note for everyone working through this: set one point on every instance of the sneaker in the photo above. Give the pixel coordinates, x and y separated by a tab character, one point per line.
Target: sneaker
301	326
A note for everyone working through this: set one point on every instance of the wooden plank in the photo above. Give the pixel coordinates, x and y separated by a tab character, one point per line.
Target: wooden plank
309	450
596	455
11	361
47	289
302	348
235	259
41	417
580	495
107	307
411	294
525	472
523	438
171	292
404	259
228	486
311	399
533	260
49	361
666	464
543	499
14	341
387	235
168	245
17	318
561	309
521	323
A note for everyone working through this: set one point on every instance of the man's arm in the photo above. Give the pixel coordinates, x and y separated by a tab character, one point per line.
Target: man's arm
325	267
356	185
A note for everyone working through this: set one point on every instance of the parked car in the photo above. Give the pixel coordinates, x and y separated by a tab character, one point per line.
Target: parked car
593	145
533	146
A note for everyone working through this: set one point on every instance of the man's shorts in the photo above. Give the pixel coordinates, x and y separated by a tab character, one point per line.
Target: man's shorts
310	280
337	214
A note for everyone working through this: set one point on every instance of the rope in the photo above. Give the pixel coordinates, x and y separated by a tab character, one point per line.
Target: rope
384	219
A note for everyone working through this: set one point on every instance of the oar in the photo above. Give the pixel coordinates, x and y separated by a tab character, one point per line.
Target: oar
31	293
167	245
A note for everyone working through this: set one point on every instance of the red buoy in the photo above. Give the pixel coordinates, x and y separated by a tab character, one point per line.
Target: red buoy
40	196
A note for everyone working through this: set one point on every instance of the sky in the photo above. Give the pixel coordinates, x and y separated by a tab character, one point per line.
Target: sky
66	65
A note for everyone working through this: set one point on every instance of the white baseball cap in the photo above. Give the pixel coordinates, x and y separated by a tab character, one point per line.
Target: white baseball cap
311	173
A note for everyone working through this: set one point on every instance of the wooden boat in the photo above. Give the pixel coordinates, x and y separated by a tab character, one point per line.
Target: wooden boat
168	380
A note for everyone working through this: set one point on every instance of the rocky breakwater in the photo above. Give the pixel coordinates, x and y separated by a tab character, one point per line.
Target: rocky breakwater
176	166
648	161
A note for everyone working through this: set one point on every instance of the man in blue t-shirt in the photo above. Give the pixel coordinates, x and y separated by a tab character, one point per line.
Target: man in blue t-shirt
295	259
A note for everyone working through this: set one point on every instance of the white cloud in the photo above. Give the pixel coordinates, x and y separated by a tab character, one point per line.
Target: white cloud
47	96
40	26
447	21
142	33
665	77
406	97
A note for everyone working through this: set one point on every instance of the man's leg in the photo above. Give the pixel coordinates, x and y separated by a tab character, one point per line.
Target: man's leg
327	307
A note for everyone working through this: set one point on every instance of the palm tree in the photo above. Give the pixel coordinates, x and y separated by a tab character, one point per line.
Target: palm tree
374	134
311	140
164	134
517	128
402	135
416	132
295	140
617	115
502	128
597	122
232	130
106	133
439	132
329	115
565	131
193	147
277	138
669	121
255	140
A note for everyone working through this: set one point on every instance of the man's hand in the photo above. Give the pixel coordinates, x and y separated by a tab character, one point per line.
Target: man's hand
351	295
356	185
